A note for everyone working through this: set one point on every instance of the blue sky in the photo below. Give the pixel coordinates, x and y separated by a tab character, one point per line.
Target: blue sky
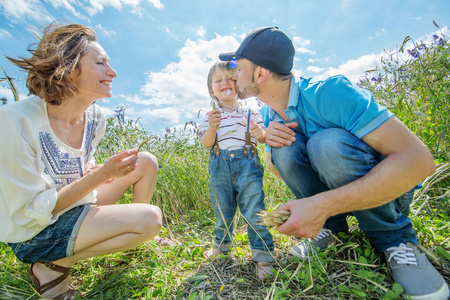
162	50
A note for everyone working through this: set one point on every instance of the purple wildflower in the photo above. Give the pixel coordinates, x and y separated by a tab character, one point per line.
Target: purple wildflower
120	115
377	79
414	53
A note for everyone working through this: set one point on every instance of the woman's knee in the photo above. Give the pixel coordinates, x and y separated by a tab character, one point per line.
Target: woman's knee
148	220
147	162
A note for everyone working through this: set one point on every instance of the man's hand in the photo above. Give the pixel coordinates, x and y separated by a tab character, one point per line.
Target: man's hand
279	135
307	217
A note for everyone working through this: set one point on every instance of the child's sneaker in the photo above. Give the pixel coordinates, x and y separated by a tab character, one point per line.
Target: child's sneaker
412	270
322	241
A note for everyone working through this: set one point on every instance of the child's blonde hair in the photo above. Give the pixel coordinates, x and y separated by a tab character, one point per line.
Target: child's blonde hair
222	66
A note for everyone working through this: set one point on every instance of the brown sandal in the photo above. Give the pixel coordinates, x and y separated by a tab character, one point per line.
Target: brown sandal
65	272
164	241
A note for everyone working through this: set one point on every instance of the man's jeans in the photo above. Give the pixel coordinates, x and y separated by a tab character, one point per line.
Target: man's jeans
236	180
332	158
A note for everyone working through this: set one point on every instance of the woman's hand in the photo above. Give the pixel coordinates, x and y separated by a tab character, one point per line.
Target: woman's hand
118	165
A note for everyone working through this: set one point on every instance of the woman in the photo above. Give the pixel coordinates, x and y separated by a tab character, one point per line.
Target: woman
48	181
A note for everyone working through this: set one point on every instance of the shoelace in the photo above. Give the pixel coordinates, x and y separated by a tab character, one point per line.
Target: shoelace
401	256
322	234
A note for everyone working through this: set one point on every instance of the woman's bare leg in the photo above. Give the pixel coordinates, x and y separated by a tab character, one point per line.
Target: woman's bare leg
113	228
105	230
143	180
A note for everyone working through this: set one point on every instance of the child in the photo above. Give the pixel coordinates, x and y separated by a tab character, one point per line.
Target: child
235	171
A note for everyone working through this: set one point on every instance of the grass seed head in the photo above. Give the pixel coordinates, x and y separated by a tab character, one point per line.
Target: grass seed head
273	218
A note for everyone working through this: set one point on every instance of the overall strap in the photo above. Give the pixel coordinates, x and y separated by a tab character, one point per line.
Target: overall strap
248	137
215	148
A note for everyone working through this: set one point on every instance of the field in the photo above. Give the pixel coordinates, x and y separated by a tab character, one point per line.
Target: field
414	84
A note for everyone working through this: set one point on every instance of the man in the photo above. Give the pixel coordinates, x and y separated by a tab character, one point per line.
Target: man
340	153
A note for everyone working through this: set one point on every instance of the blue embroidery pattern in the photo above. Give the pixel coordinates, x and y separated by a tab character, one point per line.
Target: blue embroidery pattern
62	168
90	136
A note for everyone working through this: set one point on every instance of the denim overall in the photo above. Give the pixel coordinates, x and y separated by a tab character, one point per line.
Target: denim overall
236	178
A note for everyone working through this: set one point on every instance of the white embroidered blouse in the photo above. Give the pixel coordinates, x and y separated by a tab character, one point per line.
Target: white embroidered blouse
35	163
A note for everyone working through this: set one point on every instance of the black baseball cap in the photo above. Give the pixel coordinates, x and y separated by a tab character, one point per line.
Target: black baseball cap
268	47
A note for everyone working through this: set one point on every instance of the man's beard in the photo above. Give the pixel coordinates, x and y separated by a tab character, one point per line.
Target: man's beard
252	89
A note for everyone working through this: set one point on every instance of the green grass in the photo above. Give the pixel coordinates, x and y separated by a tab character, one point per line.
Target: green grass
350	270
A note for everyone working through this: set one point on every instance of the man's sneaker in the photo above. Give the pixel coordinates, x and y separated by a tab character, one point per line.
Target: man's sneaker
412	270
322	241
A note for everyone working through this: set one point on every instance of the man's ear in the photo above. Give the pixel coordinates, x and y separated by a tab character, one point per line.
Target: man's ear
262	74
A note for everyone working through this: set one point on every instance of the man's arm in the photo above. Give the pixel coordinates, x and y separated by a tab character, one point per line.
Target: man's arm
407	162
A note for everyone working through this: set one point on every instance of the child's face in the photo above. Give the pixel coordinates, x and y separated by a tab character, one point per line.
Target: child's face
223	87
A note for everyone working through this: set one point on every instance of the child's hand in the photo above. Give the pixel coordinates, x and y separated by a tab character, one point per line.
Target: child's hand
214	118
257	131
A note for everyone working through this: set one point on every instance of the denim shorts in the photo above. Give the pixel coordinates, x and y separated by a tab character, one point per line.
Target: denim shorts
56	241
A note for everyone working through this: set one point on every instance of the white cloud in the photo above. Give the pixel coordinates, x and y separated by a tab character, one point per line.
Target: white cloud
311	61
354	69
25	10
5	34
67	4
298	41
377	34
107	32
178	93
314	69
6	93
166	115
136	99
156	3
300	45
201	32
98	5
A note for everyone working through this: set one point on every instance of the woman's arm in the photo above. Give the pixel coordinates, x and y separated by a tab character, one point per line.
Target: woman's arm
118	165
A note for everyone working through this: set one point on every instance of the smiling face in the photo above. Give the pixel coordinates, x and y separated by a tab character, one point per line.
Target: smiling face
223	88
245	79
94	75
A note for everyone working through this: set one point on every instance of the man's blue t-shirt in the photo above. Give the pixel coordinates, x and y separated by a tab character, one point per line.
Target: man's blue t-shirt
331	103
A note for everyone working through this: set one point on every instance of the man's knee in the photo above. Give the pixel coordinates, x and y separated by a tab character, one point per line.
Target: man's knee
287	157
340	157
328	144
